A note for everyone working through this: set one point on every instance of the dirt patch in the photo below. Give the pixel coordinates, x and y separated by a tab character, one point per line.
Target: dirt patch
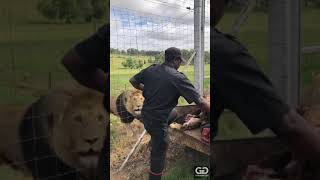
138	165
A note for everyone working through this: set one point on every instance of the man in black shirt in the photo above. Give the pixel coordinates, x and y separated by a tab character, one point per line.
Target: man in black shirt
239	85
88	64
162	85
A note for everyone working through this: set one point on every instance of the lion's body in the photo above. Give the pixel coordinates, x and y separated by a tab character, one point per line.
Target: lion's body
60	135
10	148
127	105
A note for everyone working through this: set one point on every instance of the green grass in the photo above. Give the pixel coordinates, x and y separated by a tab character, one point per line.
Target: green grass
31	48
120	76
185	171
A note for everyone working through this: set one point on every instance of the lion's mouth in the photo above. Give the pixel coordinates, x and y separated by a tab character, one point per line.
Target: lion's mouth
137	110
89	159
90	152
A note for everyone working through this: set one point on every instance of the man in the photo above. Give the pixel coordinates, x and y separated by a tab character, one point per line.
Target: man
239	85
88	64
162	85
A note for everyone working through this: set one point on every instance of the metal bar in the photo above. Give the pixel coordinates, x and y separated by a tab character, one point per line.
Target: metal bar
131	152
202	48
197	46
242	18
311	50
284	43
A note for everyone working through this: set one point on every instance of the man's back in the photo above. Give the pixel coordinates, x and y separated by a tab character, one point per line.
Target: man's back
160	93
163	85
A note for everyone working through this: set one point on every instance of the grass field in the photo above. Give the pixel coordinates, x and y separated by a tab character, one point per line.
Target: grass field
31	48
120	76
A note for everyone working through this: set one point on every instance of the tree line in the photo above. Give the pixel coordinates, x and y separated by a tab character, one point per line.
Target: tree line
156	57
263	4
68	11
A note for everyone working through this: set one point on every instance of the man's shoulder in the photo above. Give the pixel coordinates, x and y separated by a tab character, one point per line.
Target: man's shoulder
225	43
150	68
104	31
153	66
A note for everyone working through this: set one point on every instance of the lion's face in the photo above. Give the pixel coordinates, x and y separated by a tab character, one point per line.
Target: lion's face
133	101
78	136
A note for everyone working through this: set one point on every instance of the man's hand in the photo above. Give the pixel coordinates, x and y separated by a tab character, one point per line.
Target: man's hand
136	84
204	105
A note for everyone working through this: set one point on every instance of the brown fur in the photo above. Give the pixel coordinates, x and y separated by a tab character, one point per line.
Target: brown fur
74	120
131	102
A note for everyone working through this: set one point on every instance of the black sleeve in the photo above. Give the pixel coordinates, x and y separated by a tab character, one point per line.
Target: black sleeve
186	89
243	88
140	76
94	50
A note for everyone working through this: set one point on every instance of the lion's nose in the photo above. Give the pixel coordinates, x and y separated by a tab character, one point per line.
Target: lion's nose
91	141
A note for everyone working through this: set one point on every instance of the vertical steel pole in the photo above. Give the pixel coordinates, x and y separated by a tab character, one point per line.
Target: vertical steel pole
284	31
197	46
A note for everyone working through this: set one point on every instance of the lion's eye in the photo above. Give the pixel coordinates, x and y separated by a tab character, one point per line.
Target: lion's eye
78	118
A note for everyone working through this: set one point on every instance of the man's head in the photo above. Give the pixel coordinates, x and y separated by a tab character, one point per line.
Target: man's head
173	56
218	10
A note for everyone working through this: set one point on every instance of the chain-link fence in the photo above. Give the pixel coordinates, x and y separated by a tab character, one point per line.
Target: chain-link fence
31	49
139	38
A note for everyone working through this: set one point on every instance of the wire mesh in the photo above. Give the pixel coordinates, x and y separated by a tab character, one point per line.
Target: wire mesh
31	49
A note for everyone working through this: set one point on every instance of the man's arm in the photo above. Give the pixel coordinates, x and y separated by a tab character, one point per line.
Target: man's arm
138	79
86	74
136	84
188	91
203	104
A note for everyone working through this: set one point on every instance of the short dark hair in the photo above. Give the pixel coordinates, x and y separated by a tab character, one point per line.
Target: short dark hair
172	53
226	1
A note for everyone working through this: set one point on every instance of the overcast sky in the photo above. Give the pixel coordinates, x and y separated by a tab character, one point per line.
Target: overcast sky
154	24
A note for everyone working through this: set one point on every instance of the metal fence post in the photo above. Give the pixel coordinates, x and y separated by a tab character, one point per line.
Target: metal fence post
198	44
284	42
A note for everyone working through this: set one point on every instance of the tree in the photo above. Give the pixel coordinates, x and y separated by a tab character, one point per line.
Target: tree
49	8
69	10
132	64
132	51
316	3
100	8
86	9
159	58
65	10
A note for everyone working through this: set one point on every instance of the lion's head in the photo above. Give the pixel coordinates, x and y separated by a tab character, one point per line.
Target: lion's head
127	105
133	101
78	134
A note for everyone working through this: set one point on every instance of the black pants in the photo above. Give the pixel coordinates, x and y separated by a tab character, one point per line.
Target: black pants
158	131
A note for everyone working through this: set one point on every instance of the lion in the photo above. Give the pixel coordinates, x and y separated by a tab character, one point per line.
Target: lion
10	149
61	135
127	105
